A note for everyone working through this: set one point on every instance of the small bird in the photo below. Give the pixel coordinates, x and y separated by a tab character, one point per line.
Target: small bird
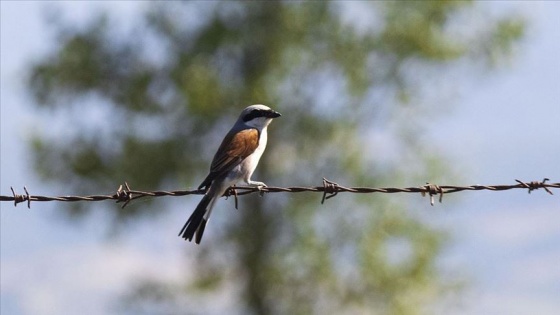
235	160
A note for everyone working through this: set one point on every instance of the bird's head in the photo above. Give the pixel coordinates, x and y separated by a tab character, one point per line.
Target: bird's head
258	116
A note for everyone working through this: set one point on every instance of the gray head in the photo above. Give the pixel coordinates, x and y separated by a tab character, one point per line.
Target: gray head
258	116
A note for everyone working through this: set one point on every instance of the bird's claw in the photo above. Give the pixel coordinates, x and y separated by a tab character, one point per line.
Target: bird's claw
259	186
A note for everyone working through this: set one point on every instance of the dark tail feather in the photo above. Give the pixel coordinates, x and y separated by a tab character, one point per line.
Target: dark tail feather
196	222
200	231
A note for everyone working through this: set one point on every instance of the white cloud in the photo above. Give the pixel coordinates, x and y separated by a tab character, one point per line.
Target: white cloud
520	226
81	279
509	303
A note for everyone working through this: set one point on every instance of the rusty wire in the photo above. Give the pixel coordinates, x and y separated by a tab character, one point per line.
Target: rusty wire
329	189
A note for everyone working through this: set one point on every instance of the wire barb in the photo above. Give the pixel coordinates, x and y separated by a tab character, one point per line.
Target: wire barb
232	192
329	188
433	190
17	198
534	185
123	195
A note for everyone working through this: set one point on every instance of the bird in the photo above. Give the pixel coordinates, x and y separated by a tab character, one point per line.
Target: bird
236	160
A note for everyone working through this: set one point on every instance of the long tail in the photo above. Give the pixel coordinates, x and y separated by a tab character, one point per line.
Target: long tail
196	222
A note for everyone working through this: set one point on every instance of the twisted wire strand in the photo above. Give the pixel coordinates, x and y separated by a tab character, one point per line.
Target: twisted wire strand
329	189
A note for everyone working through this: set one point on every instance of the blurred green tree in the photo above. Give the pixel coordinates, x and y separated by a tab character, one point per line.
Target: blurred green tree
150	106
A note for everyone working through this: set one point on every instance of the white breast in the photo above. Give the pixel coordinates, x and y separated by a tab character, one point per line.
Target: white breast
246	168
249	165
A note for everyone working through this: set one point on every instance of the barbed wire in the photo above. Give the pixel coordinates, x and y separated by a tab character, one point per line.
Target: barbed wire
329	189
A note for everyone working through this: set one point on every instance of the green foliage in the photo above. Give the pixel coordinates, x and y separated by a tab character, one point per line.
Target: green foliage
170	92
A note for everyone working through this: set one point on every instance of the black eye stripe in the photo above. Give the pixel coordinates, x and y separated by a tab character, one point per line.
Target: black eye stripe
254	114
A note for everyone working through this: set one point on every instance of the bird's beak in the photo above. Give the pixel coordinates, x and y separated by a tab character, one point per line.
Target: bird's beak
273	114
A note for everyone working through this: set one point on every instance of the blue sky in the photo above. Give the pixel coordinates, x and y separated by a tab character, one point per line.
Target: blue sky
504	126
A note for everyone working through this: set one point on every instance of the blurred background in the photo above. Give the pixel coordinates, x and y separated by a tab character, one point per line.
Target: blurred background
378	94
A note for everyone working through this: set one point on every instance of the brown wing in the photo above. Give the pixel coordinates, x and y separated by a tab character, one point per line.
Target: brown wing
235	148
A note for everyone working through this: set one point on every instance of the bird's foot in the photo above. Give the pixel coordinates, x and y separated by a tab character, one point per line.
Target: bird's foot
258	185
